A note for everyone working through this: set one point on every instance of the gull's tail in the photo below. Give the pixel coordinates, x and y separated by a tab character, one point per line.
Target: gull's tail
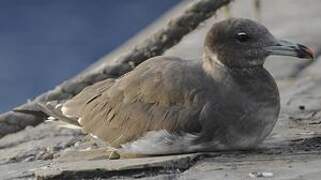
53	110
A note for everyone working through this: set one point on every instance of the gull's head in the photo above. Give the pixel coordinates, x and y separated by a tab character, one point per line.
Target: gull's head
240	42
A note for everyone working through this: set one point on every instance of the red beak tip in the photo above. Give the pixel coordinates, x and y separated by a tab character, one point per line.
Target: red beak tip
311	52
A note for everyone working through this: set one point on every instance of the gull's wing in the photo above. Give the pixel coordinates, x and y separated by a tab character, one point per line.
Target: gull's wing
161	93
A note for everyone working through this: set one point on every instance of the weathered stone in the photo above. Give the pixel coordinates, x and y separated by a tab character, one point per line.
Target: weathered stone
117	168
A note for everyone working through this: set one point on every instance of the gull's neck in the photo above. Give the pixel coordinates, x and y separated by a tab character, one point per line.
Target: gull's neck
218	71
211	64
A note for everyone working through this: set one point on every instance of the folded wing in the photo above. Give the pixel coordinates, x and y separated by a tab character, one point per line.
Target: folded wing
163	93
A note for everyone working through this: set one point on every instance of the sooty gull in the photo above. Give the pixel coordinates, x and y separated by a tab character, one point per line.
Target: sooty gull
166	105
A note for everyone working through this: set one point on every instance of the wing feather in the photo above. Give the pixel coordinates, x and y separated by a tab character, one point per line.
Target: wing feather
156	95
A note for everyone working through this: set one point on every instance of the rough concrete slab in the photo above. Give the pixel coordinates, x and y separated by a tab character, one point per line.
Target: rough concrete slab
37	143
281	168
139	167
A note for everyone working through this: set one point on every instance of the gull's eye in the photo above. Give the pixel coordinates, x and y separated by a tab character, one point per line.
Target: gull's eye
242	37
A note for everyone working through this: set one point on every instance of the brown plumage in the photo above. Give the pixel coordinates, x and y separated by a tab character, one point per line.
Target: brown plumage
158	94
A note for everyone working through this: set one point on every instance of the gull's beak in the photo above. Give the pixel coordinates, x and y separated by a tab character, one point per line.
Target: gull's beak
286	48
